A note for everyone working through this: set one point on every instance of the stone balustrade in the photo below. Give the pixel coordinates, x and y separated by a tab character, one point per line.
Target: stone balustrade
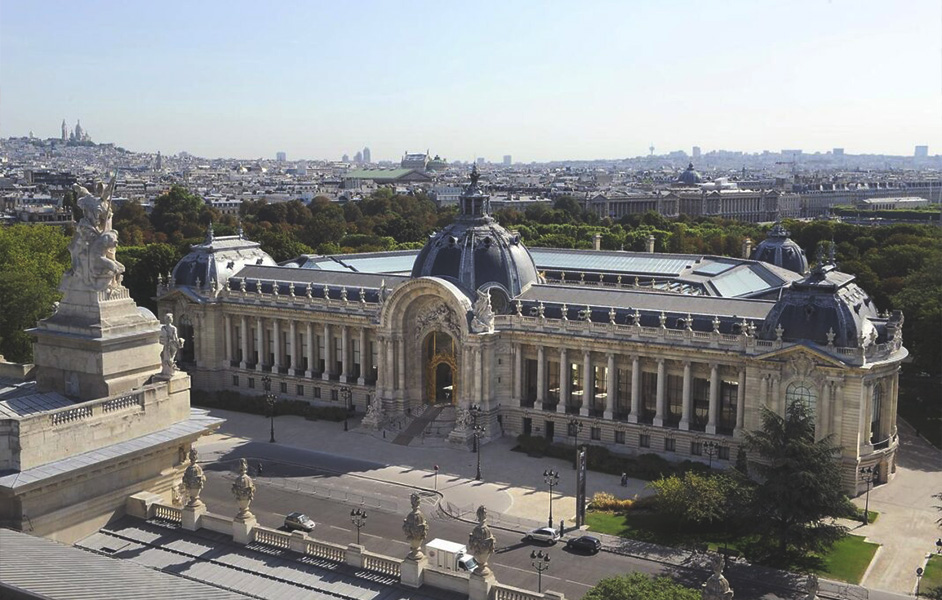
167	513
271	537
326	550
382	564
507	592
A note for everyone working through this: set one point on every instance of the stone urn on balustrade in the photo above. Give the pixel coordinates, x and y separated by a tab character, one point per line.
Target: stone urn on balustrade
482	543
244	490
415	527
193	481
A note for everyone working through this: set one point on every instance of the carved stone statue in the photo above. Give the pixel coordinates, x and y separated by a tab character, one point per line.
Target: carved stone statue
482	543
193	481
462	418
716	587
244	491
811	587
483	319
172	343
93	246
416	529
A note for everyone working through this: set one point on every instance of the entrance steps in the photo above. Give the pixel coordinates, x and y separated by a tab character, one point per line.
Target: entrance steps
435	423
418	425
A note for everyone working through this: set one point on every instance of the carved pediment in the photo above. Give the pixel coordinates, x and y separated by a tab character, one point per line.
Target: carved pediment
437	316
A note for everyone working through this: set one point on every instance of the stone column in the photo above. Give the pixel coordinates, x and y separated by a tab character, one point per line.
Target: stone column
588	384
635	389
659	402
478	378
764	391
401	354
740	403
518	375
778	403
260	343
276	344
364	357
380	367
309	333
540	378
389	355
821	424
687	410
714	397
328	353
244	324
344	353
611	391
293	345
565	374
229	351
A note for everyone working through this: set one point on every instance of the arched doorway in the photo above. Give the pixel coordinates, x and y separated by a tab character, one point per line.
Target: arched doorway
441	369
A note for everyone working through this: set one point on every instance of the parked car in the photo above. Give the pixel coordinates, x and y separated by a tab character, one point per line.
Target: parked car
299	521
543	534
585	543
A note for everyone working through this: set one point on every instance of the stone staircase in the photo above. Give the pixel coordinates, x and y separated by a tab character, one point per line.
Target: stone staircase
435	422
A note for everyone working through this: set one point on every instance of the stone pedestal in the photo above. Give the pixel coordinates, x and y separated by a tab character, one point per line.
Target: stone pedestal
192	516
242	530
354	556
411	573
298	542
460	438
479	586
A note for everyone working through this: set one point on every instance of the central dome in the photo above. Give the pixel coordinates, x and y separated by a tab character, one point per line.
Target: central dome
476	253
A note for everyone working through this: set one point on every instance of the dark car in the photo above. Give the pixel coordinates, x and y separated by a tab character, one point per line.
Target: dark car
585	543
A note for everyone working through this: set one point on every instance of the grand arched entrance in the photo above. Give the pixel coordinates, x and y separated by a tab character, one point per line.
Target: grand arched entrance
441	369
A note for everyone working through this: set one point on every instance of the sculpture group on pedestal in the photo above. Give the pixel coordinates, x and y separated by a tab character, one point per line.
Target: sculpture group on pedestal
172	343
93	246
716	587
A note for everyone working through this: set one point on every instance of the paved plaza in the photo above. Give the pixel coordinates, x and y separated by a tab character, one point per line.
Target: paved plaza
516	495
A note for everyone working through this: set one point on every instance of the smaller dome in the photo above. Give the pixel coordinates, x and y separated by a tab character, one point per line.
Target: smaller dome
780	250
217	259
689	176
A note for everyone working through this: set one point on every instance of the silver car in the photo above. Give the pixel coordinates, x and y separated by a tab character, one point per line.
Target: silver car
543	534
299	521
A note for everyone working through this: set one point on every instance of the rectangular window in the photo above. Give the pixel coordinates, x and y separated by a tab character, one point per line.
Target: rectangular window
320	354
644	440
334	395
552	382
251	383
619	437
238	343
338	355
596	433
305	359
696	448
235	380
283	386
648	396
670	444
723	453
701	402
623	406
356	358
271	347
675	398
288	346
373	362
529	381
317	392
300	390
729	392
255	334
576	381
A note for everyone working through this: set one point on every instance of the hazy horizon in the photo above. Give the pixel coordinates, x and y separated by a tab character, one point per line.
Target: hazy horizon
539	81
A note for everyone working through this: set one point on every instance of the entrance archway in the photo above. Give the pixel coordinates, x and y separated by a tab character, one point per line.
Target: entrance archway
441	369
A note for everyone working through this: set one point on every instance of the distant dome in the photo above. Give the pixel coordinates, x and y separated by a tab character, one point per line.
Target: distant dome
475	252
780	250
822	303
689	176
217	259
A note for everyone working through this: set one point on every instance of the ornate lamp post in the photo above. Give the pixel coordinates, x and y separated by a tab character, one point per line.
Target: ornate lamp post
540	561
345	394
551	478
869	475
478	432
358	518
573	429
474	410
711	448
270	399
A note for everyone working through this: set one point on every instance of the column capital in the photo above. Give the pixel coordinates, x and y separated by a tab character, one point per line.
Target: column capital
661	361
687	364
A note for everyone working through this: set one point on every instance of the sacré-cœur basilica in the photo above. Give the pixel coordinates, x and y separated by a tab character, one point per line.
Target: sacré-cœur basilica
638	352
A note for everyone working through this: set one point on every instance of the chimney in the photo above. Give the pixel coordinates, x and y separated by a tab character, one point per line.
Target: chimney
651	244
597	241
747	247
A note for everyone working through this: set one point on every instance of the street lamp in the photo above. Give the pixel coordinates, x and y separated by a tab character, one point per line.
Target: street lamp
358	518
551	478
711	448
575	426
869	475
345	394
270	399
540	561
474	411
478	431
919	572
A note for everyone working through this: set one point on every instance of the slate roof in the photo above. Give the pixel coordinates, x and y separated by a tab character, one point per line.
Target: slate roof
19	399
48	569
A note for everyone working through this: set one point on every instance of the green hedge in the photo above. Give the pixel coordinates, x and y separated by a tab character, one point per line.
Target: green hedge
256	405
645	466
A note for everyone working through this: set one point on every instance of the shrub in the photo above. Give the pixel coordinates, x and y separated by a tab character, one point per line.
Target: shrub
606	501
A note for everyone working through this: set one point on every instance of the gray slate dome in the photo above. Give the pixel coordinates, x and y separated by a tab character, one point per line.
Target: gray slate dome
217	259
475	252
689	176
822	303
780	250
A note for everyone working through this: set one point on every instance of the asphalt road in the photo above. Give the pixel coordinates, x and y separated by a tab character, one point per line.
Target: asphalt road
570	573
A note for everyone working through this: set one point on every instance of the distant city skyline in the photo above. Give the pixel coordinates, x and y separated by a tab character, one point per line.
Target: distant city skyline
538	81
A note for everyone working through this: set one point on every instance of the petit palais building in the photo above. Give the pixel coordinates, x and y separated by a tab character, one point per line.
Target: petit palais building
638	352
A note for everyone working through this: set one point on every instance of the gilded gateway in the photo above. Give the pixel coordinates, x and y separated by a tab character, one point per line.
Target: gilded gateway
648	352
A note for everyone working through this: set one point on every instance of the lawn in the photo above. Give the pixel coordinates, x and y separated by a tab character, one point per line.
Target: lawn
847	560
932	577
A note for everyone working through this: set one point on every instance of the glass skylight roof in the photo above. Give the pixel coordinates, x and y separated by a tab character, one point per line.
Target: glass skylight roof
739	282
713	268
401	263
653	264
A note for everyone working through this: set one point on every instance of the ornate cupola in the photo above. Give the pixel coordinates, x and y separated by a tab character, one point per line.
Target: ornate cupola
476	253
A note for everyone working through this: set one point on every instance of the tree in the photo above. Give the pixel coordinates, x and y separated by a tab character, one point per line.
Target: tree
638	586
177	213
143	264
800	493
701	498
